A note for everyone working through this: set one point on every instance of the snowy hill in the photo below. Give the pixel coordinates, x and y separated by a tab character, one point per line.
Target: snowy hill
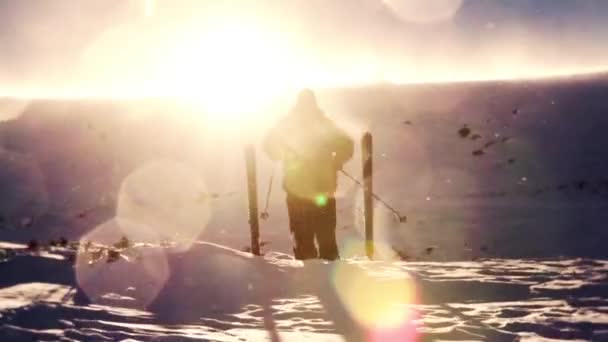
531	163
136	218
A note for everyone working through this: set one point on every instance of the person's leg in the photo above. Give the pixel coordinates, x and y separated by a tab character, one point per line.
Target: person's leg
325	230
301	228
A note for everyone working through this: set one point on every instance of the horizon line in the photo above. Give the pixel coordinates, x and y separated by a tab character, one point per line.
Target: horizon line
559	76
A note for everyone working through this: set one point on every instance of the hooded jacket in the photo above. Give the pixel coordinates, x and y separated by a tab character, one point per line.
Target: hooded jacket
311	147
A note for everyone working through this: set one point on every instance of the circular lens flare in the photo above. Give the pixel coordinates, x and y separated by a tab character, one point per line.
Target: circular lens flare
169	198
377	299
321	200
111	265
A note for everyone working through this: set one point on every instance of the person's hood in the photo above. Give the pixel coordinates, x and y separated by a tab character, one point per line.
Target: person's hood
306	105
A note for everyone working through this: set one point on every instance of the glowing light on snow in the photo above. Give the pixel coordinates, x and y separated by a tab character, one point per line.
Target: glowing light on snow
167	197
405	332
27	295
144	269
377	298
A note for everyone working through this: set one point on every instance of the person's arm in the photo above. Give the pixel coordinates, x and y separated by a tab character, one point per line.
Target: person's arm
342	147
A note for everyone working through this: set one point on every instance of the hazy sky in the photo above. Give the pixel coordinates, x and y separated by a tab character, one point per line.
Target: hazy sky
66	43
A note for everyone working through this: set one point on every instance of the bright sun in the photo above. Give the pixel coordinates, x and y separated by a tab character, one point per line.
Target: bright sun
231	69
244	65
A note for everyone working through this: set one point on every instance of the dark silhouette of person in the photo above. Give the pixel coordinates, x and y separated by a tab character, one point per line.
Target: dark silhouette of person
312	149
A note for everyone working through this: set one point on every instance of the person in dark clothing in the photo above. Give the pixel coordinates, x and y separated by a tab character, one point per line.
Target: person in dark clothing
312	149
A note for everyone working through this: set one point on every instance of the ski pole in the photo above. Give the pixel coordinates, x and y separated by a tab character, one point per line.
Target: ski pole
368	190
264	215
401	218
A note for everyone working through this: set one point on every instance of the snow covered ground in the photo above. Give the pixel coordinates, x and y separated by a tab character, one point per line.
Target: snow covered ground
136	219
220	294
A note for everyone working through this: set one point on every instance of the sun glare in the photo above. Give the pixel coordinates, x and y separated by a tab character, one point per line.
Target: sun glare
231	70
238	66
149	7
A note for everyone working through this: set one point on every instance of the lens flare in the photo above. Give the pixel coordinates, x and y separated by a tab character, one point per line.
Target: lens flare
149	7
321	200
169	198
377	298
111	265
